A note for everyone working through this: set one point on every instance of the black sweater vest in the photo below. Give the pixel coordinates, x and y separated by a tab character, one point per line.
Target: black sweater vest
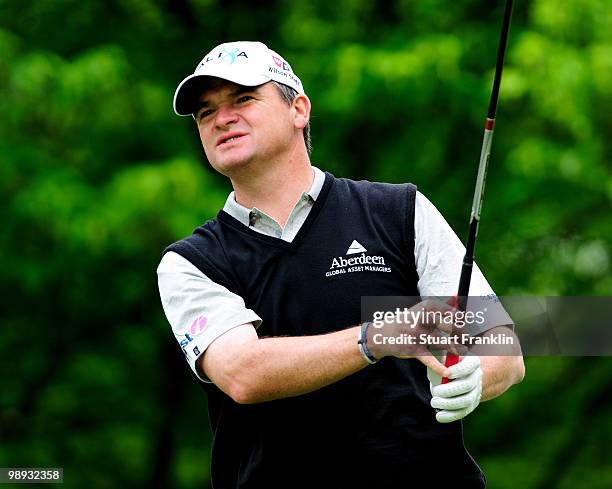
372	429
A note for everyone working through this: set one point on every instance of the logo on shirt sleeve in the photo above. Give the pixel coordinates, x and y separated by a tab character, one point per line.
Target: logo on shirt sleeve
198	325
195	330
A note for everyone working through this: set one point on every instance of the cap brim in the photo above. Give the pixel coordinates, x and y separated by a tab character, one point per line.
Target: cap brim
188	91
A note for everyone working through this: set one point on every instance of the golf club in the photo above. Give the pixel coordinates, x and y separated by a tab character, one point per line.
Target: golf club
460	300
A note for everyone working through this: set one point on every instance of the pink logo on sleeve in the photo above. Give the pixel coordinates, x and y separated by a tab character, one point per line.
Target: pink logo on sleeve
198	325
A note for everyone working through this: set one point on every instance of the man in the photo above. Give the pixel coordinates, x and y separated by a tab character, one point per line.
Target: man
265	301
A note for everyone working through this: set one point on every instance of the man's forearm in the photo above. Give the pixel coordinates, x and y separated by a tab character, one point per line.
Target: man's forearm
499	374
502	371
251	369
272	368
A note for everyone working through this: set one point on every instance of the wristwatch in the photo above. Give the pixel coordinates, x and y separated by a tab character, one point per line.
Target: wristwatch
362	342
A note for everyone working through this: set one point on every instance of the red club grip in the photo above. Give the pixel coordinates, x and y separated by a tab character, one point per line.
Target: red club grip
451	359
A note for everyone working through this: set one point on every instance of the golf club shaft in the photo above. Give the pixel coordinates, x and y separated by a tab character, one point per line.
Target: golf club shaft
460	300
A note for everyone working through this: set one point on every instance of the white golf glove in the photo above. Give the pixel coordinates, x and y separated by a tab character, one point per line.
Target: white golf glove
456	399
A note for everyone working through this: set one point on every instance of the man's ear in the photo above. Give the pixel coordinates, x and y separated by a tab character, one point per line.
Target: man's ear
301	111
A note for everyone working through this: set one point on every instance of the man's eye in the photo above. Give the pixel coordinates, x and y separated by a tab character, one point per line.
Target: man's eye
245	98
204	114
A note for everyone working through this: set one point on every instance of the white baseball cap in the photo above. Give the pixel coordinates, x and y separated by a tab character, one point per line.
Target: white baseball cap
243	62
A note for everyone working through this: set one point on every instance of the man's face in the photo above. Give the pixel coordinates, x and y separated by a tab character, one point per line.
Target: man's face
240	125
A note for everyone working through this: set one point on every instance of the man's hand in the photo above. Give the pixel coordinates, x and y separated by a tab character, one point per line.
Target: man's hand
414	337
460	397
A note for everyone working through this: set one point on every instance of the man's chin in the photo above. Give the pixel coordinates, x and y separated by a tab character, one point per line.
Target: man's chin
232	166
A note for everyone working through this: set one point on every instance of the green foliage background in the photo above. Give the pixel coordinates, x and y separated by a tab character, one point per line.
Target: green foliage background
97	175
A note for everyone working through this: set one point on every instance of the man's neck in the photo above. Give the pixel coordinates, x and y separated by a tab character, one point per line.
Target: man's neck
275	190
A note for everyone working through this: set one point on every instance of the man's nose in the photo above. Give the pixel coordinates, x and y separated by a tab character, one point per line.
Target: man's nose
226	114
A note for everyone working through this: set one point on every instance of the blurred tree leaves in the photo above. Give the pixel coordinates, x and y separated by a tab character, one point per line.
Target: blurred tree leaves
97	176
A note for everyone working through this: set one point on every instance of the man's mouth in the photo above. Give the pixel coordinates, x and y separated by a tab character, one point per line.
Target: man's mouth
226	140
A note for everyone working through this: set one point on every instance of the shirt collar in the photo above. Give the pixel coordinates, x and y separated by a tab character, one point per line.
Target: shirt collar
243	214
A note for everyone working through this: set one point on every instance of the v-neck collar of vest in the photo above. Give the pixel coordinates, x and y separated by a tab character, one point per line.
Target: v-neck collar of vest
230	220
